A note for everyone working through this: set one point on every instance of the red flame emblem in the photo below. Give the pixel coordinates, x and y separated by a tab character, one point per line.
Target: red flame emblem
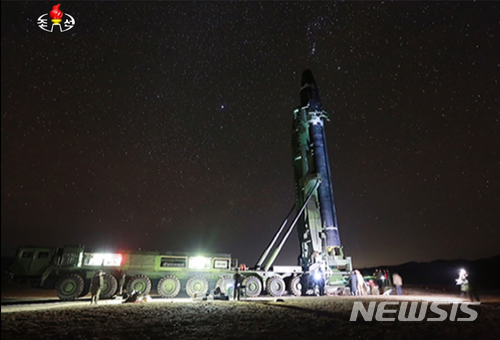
56	13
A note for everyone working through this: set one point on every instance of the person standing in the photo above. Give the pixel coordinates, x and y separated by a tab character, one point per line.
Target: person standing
468	287
463	282
374	289
95	287
122	284
398	282
321	282
388	279
380	277
362	288
380	281
473	292
354	283
237	286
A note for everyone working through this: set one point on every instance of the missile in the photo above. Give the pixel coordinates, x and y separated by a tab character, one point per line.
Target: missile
311	161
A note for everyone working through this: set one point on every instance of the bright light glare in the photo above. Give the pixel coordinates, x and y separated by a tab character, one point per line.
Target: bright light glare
317	276
199	262
103	259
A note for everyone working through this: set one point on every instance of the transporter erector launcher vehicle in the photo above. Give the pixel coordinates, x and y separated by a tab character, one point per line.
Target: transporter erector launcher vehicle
321	268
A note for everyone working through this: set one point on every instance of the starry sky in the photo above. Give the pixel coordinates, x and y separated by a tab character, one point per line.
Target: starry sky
167	125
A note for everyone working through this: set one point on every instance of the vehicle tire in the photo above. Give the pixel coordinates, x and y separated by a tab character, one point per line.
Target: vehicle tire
109	286
70	287
197	286
86	288
276	286
230	292
224	283
253	286
140	283
169	286
296	286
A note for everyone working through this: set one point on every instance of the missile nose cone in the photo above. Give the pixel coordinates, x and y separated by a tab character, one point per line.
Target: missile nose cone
309	94
307	78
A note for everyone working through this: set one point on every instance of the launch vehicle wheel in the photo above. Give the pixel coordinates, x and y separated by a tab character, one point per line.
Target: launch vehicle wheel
140	283
86	288
296	286
109	286
253	286
70	287
197	286
169	286
224	283
276	286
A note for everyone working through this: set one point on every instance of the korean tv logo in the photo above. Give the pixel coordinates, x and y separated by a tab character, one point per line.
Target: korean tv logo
58	20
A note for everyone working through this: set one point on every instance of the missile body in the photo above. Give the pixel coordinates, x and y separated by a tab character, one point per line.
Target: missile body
318	228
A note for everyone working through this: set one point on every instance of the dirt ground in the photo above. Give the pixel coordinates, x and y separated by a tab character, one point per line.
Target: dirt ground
36	314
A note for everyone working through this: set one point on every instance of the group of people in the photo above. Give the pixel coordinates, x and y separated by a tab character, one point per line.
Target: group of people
358	284
379	284
96	286
381	279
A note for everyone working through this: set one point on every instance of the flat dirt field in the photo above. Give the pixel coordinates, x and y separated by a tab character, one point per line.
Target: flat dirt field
37	314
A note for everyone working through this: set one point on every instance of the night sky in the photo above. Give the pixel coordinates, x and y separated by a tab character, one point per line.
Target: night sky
168	125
